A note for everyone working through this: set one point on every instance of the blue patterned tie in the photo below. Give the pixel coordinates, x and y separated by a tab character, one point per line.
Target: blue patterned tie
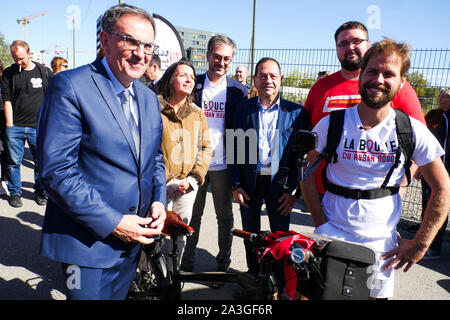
125	100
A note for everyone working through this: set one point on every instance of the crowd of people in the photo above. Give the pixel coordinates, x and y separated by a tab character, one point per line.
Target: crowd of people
111	154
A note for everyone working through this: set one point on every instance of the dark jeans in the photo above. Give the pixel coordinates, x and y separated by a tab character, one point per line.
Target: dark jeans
15	142
221	193
436	245
251	222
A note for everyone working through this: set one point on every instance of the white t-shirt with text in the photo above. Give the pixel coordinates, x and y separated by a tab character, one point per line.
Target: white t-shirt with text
364	159
213	105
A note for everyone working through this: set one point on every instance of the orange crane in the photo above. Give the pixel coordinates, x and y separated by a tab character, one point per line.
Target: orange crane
26	20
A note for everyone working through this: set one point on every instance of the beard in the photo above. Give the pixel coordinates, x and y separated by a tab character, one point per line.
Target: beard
380	101
351	65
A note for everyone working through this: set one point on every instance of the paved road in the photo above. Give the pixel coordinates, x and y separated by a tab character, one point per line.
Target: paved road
26	275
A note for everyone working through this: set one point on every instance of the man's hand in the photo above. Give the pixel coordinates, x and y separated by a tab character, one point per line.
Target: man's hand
158	214
240	196
287	203
132	228
408	252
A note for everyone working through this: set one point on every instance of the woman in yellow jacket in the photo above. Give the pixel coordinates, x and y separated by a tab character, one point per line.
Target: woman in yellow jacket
186	142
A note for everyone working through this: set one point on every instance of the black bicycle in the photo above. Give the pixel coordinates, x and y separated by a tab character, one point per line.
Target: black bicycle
157	283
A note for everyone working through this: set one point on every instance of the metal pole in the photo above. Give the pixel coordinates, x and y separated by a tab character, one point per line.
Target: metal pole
252	50
73	21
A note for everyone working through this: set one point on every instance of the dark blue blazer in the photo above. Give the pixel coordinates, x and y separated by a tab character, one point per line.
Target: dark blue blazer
89	166
236	92
291	117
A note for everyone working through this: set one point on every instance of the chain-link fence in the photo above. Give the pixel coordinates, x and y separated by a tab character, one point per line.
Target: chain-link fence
429	72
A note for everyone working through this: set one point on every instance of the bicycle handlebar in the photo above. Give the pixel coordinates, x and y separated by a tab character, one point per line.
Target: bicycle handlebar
242	234
253	237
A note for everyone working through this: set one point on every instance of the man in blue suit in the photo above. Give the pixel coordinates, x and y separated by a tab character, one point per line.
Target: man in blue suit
99	136
218	96
263	131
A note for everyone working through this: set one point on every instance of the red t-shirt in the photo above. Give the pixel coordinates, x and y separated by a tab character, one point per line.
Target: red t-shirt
335	92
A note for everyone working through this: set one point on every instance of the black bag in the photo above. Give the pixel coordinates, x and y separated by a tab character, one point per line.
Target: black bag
346	269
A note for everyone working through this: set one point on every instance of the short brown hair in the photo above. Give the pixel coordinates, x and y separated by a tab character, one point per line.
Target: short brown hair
19	43
388	47
56	63
350	25
220	38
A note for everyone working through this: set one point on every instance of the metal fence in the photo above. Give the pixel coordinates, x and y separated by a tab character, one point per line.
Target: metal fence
429	72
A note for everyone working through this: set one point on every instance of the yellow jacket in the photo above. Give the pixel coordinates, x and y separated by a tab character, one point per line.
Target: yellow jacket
186	143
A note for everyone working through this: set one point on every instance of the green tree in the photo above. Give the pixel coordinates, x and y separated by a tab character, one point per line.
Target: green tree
427	94
297	79
5	55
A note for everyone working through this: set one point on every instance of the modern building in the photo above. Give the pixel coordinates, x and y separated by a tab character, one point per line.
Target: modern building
195	43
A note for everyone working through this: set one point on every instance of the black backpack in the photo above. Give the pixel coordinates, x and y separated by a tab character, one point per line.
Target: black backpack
406	146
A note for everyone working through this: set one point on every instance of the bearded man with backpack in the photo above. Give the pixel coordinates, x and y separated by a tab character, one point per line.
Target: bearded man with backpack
366	166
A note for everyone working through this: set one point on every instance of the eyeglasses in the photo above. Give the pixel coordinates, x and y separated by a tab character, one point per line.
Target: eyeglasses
355	42
133	44
218	58
65	66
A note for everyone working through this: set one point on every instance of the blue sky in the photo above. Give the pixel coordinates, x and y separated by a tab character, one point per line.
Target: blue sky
279	23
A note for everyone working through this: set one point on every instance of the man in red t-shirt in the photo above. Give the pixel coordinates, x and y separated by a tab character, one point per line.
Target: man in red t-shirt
340	90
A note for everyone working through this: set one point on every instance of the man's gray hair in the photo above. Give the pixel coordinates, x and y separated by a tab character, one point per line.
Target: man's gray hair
113	14
220	38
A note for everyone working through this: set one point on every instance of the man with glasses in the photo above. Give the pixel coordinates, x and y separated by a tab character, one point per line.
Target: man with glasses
99	137
217	95
358	208
23	87
340	90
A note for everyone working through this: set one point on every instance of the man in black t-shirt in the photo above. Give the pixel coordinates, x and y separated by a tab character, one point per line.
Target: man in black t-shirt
23	86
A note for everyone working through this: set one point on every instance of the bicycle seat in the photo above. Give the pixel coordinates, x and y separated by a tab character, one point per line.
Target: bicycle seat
174	227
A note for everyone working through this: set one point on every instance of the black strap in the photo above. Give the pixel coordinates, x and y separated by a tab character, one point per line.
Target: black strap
335	128
334	134
406	144
362	194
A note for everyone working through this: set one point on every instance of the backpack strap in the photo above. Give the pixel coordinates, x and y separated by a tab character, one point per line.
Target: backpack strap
335	128
45	74
406	144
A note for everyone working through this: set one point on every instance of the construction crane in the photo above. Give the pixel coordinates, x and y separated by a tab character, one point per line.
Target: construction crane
26	20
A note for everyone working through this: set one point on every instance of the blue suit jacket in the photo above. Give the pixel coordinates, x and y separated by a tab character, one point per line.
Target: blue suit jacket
236	92
291	117
89	167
